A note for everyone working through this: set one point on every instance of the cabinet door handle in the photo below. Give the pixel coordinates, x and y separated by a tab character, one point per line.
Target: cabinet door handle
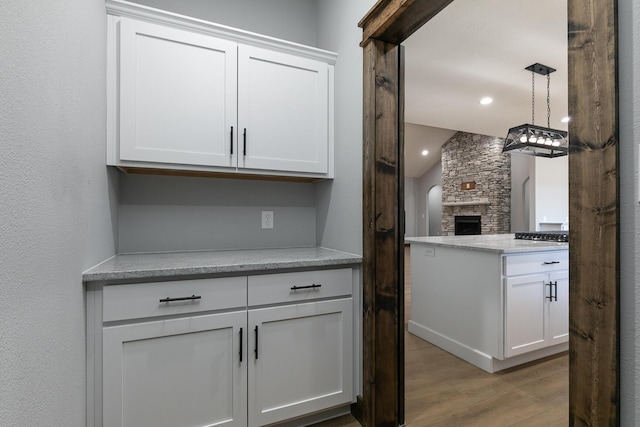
314	286
551	262
232	140
240	345
552	286
244	142
256	336
192	297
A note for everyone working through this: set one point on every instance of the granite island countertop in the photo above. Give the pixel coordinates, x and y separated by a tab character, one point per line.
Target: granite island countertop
499	243
174	264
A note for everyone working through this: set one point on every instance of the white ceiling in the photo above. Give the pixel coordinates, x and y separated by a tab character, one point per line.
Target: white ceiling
478	48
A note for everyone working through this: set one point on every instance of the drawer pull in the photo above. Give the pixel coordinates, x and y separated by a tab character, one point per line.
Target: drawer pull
192	297
240	345
314	286
551	262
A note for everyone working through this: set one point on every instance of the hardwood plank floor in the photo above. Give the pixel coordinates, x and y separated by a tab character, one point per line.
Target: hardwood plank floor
442	390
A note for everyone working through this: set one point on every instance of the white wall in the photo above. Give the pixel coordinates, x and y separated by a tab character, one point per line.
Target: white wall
629	101
57	203
339	222
550	191
522	169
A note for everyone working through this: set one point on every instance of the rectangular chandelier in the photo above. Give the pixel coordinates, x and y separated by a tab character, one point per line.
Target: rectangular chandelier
535	140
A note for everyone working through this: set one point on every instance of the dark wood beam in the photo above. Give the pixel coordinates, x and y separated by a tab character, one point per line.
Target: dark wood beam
395	20
383	234
593	214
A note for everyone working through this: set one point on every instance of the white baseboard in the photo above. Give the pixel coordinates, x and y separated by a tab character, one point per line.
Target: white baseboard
482	360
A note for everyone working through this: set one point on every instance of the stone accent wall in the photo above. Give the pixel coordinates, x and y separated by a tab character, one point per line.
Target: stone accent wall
470	157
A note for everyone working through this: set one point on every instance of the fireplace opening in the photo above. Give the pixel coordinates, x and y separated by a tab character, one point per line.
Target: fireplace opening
466	225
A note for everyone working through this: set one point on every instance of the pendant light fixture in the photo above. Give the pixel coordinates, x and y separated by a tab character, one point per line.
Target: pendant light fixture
535	140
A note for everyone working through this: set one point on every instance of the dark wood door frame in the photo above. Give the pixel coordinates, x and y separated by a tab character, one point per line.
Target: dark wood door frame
593	209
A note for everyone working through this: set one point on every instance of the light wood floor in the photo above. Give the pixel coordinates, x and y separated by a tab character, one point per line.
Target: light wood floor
442	390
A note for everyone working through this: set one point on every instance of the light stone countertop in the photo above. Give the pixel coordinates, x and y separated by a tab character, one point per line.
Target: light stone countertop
500	243
173	264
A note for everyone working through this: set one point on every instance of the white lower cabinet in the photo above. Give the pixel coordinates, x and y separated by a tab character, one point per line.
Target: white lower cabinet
177	372
302	360
206	352
536	311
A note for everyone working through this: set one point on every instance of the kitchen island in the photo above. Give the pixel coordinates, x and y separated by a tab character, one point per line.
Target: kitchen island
491	300
236	338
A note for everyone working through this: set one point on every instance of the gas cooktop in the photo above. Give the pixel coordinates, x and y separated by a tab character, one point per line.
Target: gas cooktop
547	236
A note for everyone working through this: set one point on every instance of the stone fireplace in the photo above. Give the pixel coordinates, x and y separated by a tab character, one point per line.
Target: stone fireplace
476	181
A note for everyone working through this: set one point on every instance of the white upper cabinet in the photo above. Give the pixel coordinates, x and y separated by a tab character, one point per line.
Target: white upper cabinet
282	111
177	95
189	95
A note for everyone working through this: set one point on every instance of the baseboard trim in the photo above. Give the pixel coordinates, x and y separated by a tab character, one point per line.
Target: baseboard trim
475	357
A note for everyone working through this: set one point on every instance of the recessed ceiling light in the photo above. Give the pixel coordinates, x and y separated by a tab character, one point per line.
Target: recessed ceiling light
565	119
486	101
425	152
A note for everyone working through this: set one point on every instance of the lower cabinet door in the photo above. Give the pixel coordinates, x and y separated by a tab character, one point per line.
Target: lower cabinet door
524	321
300	360
176	373
559	308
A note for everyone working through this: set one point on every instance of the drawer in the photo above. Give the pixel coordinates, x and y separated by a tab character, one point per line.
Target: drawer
133	301
299	286
538	262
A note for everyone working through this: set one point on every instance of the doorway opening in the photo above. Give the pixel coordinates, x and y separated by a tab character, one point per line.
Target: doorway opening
594	391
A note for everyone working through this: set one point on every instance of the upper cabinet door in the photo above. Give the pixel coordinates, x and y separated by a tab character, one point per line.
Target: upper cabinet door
178	96
283	113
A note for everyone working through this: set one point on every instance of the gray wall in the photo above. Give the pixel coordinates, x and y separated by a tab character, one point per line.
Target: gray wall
426	182
166	213
410	208
339	205
293	20
629	80
57	203
434	196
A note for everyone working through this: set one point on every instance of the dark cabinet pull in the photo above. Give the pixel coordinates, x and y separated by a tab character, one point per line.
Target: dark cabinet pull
553	286
232	140
192	297
244	142
551	262
314	286
256	335
240	345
